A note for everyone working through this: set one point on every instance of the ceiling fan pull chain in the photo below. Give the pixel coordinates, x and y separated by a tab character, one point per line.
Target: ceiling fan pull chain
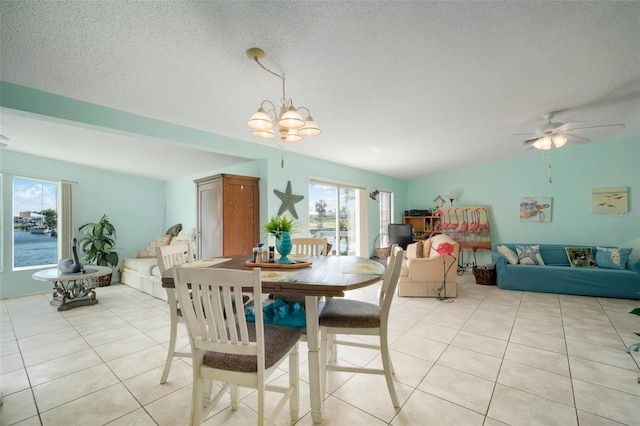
549	167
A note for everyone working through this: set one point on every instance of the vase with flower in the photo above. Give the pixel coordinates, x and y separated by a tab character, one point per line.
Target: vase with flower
281	228
445	249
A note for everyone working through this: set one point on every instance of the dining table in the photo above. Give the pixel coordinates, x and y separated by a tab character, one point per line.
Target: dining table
313	277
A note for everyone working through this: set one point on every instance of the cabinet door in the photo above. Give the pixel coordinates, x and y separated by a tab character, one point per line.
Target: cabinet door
241	215
209	219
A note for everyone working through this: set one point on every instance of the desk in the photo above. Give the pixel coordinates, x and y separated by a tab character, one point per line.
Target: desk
72	290
325	277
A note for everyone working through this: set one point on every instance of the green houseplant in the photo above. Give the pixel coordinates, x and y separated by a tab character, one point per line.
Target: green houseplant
281	228
98	246
279	224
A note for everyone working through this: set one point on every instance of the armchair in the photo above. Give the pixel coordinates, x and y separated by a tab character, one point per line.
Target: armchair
423	269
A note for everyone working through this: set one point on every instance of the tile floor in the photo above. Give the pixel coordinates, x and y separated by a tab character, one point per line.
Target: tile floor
491	357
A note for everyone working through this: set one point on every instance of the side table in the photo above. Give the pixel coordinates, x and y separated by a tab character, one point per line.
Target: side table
72	290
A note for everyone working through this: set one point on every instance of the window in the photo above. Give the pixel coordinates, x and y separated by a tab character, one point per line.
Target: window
35	221
334	214
386	208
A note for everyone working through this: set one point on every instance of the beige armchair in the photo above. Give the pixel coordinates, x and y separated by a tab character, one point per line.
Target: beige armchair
423	269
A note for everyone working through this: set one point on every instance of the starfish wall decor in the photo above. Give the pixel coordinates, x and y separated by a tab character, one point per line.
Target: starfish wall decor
288	201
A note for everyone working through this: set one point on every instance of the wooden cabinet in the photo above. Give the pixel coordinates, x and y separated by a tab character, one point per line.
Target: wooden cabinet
228	209
423	226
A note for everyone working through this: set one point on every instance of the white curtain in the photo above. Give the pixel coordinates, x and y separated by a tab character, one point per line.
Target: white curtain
65	219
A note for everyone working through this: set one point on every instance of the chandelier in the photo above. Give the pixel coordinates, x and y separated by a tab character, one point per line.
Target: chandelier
544	143
291	126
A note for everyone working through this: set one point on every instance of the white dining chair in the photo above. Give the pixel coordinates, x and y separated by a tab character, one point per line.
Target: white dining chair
168	257
353	317
309	246
230	349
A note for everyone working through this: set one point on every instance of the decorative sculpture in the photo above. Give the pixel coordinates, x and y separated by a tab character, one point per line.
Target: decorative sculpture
71	266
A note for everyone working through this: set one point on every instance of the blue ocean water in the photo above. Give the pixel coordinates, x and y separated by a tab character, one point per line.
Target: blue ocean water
34	249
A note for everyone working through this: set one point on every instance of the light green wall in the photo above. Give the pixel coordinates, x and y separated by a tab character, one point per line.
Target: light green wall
133	204
576	169
143	209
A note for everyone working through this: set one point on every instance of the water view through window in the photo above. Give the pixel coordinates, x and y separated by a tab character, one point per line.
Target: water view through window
35	218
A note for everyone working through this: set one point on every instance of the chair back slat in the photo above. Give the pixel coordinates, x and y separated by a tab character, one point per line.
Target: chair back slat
211	296
173	255
391	277
309	246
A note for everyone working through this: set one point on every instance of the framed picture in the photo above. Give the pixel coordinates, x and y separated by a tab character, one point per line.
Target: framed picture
610	200
535	209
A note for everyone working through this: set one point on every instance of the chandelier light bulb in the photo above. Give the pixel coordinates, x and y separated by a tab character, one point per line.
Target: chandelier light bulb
260	120
265	134
310	128
291	119
292	136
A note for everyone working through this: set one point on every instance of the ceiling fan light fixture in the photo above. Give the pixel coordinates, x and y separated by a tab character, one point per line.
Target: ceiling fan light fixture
559	141
543	144
291	119
292	136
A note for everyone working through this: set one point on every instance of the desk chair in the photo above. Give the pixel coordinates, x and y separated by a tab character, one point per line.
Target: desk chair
168	257
309	246
348	316
231	350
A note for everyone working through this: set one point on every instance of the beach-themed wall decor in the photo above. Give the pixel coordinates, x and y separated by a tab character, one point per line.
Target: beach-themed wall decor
610	200
535	209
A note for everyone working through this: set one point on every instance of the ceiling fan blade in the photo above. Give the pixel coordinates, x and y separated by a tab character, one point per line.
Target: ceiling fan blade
524	134
596	127
566	126
581	141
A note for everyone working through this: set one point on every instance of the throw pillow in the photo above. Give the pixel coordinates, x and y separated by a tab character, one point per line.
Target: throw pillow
529	255
512	258
174	230
426	248
188	234
612	258
150	250
580	257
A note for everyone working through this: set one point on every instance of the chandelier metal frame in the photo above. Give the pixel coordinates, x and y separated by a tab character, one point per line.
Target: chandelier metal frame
291	126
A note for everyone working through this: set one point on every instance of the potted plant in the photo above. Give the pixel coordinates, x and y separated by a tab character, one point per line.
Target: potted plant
281	227
98	246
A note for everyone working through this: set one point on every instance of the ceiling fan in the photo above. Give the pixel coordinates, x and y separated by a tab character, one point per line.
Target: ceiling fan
556	134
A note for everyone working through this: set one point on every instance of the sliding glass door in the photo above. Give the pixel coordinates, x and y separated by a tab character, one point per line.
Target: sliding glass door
334	214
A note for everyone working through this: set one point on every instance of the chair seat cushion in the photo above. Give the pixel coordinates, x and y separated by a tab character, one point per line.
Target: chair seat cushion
347	313
278	341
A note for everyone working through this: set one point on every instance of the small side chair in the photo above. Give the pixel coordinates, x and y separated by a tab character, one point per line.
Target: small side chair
354	317
232	350
168	257
309	246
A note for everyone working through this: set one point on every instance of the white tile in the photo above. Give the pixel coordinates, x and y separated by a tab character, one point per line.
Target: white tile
482	344
97	408
62	366
606	355
125	346
425	409
55	350
516	407
605	375
140	362
146	387
607	403
535	381
17	406
138	417
542	341
538	358
464	389
419	347
14	381
471	362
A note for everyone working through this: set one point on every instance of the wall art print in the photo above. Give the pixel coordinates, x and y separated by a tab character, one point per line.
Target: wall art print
610	200
535	209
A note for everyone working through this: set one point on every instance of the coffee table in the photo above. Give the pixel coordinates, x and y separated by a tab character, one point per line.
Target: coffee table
73	290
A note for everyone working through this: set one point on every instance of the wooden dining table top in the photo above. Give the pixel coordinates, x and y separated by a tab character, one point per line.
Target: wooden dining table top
326	276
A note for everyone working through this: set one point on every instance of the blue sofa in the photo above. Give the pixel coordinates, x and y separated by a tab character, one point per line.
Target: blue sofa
557	276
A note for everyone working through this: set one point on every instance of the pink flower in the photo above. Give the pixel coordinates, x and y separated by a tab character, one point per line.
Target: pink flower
445	249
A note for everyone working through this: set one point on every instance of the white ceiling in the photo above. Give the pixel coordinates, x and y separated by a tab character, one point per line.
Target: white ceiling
400	88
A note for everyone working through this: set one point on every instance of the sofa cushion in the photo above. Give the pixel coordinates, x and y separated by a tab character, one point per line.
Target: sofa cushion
414	250
144	266
512	258
529	255
150	250
612	258
580	257
426	248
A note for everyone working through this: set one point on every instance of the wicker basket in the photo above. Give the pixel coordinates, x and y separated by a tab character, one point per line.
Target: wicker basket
381	252
485	275
104	280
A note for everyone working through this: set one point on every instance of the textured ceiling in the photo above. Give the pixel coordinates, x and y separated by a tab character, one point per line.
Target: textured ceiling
399	88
